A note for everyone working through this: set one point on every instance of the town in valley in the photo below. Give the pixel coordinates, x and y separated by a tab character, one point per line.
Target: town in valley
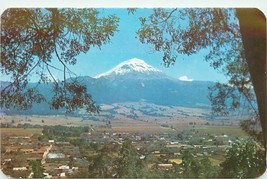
61	146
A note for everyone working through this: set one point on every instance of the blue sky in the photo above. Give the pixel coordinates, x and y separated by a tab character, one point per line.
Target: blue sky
124	45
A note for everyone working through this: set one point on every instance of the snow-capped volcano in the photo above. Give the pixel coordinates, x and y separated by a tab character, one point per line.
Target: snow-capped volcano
130	66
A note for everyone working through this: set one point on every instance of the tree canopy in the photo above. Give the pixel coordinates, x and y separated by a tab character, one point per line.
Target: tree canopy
245	158
31	39
187	31
129	165
233	50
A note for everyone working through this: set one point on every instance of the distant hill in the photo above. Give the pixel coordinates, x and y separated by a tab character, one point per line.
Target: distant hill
135	81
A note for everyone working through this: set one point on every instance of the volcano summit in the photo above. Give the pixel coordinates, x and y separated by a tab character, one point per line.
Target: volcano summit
133	65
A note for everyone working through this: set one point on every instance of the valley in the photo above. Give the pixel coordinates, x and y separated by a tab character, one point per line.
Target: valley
75	143
149	123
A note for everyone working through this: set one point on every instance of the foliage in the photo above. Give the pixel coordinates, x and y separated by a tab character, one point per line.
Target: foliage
101	166
57	132
197	168
129	165
236	93
32	39
188	31
72	96
245	159
81	173
37	169
251	127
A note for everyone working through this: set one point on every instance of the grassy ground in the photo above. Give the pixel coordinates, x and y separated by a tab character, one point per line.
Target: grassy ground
19	131
125	124
219	130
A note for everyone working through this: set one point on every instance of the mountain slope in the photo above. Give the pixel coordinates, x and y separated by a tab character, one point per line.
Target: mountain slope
135	81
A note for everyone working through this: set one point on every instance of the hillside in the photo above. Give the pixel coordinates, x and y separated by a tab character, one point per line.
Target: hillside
134	81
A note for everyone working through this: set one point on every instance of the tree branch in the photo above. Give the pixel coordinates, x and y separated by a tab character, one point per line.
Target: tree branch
253	107
168	15
50	73
17	80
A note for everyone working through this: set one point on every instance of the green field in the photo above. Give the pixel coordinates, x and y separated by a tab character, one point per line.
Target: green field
219	130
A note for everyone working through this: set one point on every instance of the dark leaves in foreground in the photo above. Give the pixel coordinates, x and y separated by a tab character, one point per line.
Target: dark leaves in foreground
33	39
72	96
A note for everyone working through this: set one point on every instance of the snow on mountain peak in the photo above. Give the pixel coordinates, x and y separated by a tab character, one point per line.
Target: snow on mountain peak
132	65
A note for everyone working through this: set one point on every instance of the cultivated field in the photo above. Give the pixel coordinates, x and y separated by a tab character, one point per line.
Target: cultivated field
234	130
124	124
19	131
47	120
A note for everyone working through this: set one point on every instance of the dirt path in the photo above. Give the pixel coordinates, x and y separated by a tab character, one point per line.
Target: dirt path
46	153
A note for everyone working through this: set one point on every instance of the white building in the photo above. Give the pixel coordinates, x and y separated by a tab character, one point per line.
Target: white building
19	168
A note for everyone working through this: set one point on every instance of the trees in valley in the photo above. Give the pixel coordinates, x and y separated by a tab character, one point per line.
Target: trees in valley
101	166
129	165
245	158
37	169
192	167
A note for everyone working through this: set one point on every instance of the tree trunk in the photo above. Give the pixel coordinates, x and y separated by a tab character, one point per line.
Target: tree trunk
253	30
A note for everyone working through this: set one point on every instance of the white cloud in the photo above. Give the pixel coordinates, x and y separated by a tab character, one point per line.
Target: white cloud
185	78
